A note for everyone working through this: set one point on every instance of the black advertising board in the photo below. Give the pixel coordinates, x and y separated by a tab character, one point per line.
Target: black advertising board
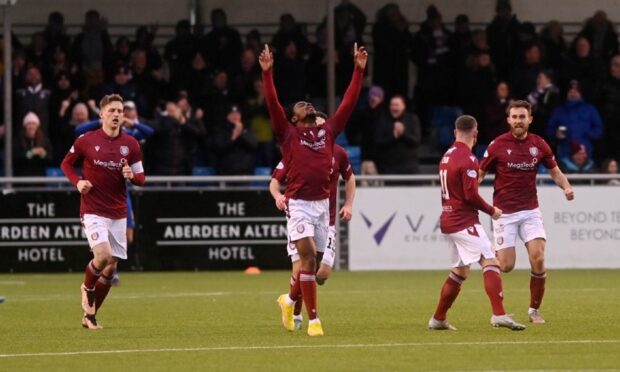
41	231
203	230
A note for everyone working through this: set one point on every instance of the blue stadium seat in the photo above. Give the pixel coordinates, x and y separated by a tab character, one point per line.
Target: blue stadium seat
442	122
54	172
261	171
355	158
203	171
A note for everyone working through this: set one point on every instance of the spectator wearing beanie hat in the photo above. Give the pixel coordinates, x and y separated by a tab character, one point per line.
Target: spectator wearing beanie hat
579	162
574	120
32	151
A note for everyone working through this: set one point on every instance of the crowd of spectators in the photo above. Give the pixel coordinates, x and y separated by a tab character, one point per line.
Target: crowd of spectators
201	97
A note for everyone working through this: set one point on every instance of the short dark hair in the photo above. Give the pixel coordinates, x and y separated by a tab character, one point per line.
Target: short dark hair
465	123
519	104
106	100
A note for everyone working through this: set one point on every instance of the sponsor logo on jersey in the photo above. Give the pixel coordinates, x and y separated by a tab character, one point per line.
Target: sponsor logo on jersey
509	151
534	151
124	150
472	173
111	165
314	145
523	165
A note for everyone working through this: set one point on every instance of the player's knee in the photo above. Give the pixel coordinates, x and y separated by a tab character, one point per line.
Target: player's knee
506	267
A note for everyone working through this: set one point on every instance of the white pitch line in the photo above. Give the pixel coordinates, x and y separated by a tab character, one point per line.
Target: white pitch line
11	282
329	346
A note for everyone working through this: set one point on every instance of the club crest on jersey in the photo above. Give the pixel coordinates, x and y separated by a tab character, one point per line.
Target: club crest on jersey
321	133
124	150
472	173
509	151
533	151
97	148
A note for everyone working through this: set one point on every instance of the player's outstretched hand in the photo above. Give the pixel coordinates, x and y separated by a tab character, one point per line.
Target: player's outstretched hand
360	56
497	213
127	172
84	186
346	212
266	59
569	193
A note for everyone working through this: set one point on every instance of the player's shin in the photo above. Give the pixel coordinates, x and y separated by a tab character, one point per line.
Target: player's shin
102	288
449	292
493	287
91	275
537	289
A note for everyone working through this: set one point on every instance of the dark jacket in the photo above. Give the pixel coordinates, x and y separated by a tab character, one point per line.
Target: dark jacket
397	155
234	157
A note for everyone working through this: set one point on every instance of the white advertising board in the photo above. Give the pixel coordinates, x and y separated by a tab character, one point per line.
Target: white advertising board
398	228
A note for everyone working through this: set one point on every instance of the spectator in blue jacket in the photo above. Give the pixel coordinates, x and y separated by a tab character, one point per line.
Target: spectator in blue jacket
575	120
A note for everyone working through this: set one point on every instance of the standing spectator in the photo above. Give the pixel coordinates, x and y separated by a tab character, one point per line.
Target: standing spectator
223	43
92	49
495	113
583	66
218	98
476	85
361	130
602	36
235	146
288	31
575	120
350	23
144	40
316	68
554	45
608	101
523	76
398	135
392	42
122	51
35	52
34	98
254	41
172	147
260	124
55	34
32	151
436	64
243	79
290	75
461	40
502	37
544	99
179	52
199	80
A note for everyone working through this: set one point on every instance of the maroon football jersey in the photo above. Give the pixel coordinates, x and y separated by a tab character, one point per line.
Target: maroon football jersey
460	201
341	167
308	152
516	163
101	157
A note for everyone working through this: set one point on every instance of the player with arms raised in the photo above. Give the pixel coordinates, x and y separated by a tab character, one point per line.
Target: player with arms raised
109	158
515	157
326	255
458	174
307	151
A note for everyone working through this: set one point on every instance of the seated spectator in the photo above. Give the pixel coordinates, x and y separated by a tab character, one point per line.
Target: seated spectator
235	146
575	120
121	84
578	162
398	135
32	150
610	166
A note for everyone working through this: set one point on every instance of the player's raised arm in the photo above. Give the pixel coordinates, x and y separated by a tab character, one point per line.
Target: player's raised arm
341	117
276	112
